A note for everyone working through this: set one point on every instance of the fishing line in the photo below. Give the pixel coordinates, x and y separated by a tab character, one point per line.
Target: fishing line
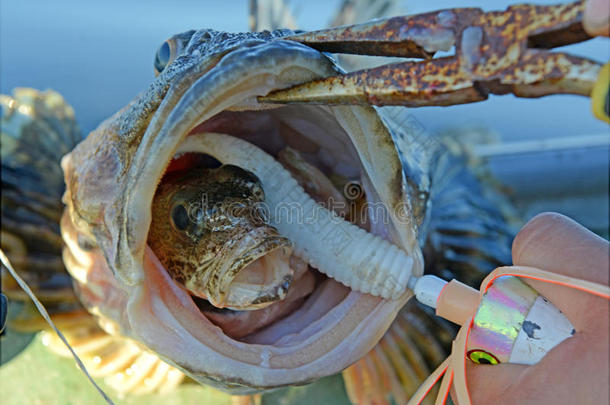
45	315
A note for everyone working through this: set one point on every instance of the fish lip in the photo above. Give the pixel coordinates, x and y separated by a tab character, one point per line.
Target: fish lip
244	256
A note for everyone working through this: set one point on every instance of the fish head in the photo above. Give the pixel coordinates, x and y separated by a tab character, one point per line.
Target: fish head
209	232
209	81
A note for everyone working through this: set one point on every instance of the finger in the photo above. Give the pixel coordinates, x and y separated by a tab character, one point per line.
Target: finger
486	383
555	243
596	19
575	372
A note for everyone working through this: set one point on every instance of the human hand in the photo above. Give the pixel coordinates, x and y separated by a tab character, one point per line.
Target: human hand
596	19
577	370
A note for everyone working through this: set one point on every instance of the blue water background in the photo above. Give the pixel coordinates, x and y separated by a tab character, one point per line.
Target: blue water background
99	56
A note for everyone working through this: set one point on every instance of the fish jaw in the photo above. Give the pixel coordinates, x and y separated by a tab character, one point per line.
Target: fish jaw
111	179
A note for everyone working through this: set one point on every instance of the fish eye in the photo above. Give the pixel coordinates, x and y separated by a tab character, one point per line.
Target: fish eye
170	50
162	58
180	218
482	357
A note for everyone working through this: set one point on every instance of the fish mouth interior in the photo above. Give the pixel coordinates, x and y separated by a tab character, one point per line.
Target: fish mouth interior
316	135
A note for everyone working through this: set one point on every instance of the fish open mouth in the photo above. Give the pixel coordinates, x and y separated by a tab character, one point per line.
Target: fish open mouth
314	147
321	326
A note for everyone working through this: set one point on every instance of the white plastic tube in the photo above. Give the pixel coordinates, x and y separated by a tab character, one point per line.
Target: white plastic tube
337	248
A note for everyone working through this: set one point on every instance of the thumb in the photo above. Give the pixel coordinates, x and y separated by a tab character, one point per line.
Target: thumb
596	18
556	243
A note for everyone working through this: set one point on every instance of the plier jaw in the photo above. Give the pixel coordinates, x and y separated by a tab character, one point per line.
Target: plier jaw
496	52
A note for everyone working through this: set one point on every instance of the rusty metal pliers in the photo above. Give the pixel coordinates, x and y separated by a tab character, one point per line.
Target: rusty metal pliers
497	52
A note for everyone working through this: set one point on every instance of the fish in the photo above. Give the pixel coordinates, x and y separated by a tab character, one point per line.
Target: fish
111	178
411	191
209	234
32	187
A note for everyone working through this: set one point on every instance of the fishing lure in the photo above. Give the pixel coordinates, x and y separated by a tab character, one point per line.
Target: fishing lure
506	321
